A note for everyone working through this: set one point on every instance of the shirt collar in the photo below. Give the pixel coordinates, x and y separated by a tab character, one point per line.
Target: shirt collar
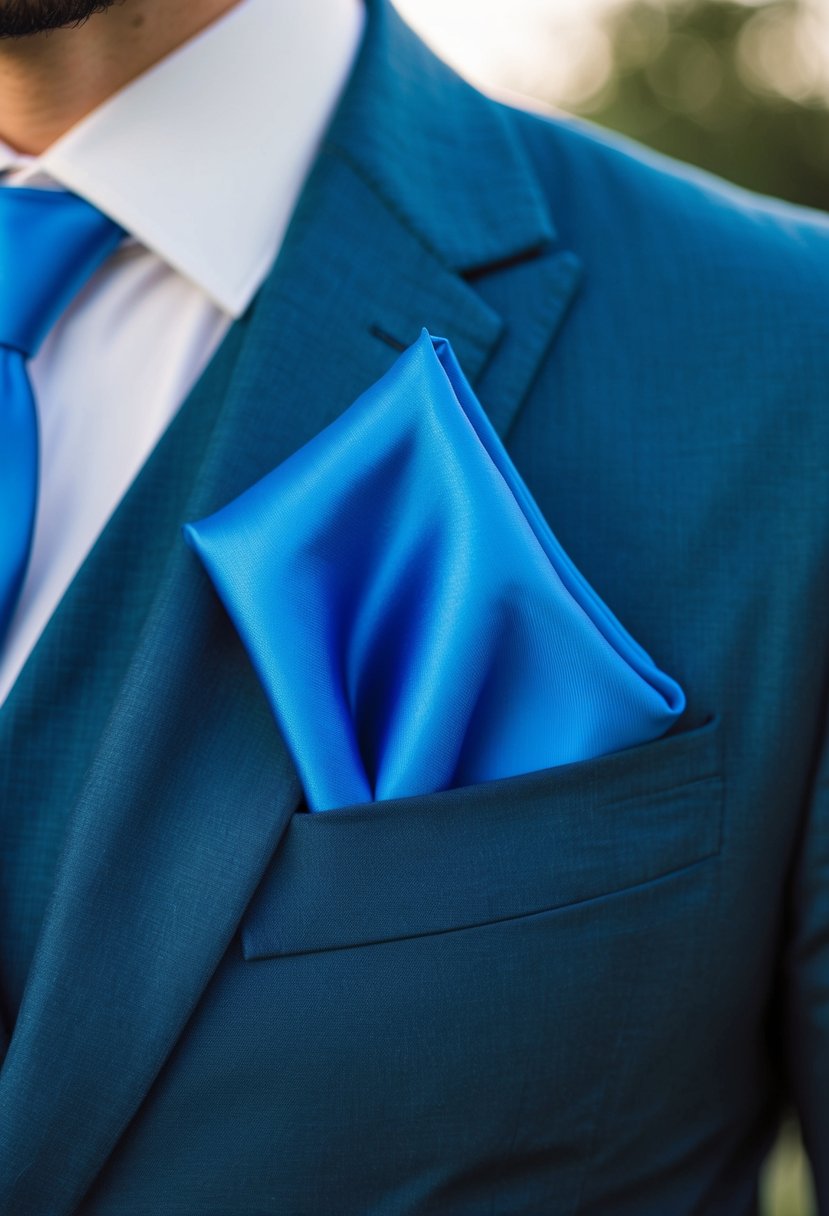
202	158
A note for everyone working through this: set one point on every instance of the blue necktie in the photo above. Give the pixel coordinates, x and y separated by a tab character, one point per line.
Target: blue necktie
50	244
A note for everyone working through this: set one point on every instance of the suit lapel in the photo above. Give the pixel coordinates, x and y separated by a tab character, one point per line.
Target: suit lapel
192	787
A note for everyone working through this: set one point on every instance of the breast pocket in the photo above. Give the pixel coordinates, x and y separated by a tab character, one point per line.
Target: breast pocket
410	867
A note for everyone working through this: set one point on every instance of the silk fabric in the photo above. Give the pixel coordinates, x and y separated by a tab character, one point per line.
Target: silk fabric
413	620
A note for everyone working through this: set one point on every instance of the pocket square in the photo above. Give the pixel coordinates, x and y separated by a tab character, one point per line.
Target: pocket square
414	622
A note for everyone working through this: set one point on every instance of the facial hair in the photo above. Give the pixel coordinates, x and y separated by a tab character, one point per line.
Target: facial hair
22	18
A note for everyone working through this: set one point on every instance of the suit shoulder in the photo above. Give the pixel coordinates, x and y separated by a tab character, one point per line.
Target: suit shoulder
693	281
599	180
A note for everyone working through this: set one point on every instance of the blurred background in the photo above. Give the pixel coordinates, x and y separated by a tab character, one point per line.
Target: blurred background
740	87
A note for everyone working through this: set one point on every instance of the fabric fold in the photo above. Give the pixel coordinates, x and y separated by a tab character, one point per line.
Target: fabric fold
413	620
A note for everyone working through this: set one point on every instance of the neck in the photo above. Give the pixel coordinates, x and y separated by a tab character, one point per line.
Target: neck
49	81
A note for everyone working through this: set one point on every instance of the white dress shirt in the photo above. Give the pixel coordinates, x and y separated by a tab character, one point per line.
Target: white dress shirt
201	159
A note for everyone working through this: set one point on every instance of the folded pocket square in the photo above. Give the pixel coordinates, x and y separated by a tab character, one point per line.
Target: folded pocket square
414	622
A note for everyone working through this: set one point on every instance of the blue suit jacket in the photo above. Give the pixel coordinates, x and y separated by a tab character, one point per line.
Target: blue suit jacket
587	990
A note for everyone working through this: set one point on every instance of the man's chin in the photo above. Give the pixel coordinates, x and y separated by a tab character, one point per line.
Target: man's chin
25	18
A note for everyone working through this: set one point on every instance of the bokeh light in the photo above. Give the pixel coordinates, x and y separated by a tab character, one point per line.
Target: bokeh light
561	49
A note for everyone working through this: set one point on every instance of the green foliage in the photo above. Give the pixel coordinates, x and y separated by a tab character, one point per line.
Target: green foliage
786	1188
741	89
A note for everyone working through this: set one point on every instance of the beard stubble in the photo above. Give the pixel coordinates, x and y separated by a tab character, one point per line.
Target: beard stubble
23	18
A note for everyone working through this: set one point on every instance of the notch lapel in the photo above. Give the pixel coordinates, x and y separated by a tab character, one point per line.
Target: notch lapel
192	786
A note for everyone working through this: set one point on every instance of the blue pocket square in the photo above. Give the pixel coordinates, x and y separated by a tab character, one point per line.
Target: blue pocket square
414	622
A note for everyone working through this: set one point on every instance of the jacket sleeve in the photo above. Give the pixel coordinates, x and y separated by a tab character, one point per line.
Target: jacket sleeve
807	980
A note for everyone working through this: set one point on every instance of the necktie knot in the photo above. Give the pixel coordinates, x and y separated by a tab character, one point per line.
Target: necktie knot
51	242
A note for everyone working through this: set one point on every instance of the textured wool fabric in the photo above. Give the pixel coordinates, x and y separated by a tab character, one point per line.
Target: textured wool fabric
413	619
51	724
551	993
